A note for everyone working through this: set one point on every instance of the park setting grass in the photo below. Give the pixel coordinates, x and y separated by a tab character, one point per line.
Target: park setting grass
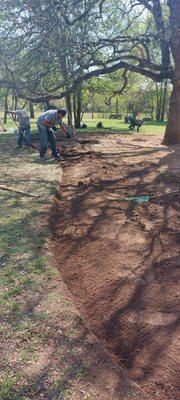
109	125
25	268
29	283
119	125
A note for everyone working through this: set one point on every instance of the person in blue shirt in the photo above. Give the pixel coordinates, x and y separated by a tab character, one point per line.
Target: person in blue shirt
45	123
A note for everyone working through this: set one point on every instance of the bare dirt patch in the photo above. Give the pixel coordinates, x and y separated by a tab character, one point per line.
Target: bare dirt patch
119	259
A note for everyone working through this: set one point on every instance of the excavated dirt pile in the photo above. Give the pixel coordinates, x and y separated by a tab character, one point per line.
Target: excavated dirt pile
120	259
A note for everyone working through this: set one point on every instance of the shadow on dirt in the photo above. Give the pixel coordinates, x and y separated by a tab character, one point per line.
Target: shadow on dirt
121	260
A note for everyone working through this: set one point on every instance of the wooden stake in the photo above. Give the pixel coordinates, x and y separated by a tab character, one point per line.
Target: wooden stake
10	189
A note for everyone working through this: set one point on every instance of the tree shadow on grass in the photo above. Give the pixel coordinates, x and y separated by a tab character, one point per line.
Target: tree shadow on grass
134	314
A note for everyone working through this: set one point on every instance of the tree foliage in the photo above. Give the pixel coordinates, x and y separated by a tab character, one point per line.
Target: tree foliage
48	47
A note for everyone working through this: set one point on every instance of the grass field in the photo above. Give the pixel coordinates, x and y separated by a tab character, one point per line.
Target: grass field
37	322
114	124
111	124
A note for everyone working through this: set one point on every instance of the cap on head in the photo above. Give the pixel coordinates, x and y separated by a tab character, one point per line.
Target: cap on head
61	111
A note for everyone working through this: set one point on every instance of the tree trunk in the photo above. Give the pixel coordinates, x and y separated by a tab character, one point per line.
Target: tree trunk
46	105
5	108
69	109
15	108
158	104
152	110
164	101
65	69
74	109
172	133
77	108
117	108
78	122
31	109
15	103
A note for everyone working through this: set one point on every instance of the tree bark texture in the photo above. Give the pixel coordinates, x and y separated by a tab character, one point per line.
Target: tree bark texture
69	109
172	133
31	109
5	108
77	107
164	101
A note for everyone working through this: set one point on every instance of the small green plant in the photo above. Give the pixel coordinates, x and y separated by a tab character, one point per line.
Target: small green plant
12	292
16	309
6	388
39	264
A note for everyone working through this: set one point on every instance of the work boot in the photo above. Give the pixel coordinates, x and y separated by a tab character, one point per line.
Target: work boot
56	155
43	158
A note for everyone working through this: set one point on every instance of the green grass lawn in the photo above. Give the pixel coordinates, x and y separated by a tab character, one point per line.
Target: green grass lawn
111	124
114	124
26	269
36	359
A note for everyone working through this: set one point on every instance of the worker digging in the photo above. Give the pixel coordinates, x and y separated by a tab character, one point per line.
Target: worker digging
46	124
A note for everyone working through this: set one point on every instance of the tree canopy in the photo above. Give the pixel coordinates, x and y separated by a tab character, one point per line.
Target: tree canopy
48	47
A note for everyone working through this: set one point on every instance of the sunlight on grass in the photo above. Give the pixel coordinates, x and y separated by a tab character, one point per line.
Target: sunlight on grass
6	388
114	124
111	124
25	267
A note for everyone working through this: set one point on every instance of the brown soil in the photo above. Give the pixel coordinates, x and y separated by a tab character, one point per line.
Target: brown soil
120	259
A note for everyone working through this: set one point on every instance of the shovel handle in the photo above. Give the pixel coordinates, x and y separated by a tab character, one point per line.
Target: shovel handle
164	194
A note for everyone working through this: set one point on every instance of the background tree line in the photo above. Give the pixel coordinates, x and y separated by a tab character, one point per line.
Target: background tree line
97	96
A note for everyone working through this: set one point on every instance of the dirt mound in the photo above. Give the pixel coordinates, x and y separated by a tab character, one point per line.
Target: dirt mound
120	260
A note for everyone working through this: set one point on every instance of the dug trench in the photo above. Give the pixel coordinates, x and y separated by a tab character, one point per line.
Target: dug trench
120	259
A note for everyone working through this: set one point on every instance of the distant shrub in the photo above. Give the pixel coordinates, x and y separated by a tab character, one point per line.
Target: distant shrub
83	126
99	125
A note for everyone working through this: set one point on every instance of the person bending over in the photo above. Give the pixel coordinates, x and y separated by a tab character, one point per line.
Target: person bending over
45	123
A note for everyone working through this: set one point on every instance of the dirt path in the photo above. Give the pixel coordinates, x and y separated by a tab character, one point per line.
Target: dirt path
119	259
